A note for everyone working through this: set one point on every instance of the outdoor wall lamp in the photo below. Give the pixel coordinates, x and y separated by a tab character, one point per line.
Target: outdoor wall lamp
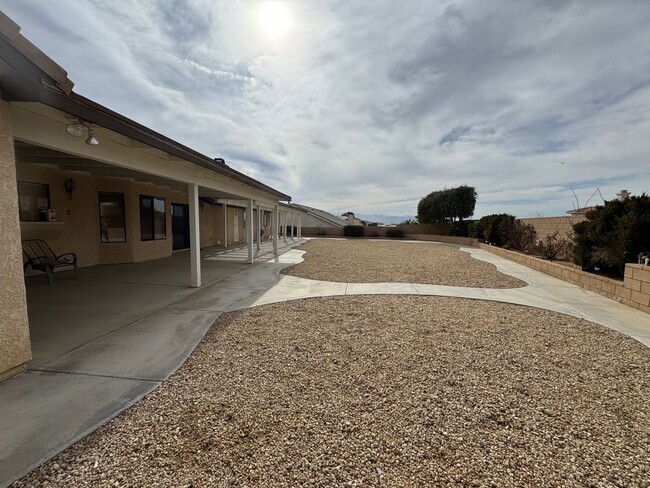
70	186
76	129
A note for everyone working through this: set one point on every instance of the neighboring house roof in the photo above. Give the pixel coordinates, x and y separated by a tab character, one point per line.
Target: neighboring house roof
29	75
322	215
580	211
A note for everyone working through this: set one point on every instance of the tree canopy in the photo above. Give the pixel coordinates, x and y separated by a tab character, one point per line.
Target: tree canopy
448	205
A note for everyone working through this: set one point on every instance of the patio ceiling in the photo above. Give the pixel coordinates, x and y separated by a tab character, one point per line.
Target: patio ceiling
31	154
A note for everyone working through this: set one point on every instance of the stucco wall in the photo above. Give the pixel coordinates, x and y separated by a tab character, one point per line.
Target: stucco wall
15	349
77	227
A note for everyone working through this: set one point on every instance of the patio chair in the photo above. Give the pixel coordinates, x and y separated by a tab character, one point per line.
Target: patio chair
41	257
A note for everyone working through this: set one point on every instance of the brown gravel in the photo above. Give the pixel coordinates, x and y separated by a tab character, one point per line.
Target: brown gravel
392	390
366	261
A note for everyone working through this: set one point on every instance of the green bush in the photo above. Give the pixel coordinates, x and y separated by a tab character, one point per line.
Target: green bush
488	228
353	231
613	234
394	232
459	228
505	230
373	233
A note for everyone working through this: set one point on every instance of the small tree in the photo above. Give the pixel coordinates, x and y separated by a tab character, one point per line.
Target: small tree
448	205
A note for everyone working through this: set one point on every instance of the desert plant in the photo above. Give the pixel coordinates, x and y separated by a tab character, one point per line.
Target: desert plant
554	247
353	231
517	235
394	232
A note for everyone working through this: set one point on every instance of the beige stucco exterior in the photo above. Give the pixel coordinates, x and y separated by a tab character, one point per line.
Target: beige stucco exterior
14	329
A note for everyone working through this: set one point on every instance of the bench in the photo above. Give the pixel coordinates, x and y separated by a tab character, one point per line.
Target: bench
41	257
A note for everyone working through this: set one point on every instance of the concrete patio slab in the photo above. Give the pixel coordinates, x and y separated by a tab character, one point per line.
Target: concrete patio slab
149	349
43	413
216	298
70	313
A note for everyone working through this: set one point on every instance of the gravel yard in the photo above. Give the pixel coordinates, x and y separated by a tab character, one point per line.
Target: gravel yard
367	261
384	390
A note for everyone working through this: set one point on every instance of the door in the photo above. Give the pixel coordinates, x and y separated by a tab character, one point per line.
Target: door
180	226
235	230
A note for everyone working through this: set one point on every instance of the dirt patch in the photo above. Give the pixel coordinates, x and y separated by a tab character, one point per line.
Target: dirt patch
365	261
384	390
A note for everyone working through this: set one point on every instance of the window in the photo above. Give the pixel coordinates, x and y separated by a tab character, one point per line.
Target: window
33	199
152	218
243	218
112	222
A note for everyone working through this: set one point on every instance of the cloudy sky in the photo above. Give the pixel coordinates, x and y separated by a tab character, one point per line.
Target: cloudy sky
369	105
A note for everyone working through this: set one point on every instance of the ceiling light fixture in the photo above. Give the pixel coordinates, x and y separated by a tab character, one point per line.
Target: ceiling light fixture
75	129
92	140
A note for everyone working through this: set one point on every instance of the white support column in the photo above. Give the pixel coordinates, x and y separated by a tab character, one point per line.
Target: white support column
284	226
250	218
195	236
299	226
225	225
275	218
293	225
259	226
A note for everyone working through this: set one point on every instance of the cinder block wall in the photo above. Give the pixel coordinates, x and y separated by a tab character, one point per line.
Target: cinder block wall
633	291
548	225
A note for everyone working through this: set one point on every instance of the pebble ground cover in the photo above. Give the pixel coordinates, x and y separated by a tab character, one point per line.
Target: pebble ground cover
384	391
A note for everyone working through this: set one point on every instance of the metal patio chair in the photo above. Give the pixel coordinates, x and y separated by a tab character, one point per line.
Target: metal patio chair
41	257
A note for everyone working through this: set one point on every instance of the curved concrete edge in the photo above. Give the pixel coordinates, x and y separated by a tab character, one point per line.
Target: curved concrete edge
542	291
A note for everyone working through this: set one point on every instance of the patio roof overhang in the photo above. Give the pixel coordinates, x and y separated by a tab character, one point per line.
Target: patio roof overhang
29	78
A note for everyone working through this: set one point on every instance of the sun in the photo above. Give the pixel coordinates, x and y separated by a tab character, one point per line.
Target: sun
274	19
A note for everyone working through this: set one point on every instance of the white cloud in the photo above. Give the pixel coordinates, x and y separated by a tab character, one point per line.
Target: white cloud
367	106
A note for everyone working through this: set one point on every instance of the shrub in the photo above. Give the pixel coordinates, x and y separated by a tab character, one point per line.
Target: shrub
613	234
373	233
459	229
320	231
394	232
505	230
517	235
554	247
353	231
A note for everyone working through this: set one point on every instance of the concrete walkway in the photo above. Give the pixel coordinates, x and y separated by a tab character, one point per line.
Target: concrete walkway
65	396
543	291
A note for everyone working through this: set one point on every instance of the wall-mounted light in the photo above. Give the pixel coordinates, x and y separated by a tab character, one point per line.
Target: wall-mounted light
70	186
76	129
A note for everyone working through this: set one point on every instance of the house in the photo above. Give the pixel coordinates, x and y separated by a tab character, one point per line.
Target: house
351	219
89	180
314	217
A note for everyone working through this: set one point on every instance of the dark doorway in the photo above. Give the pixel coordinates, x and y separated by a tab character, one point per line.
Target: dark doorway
180	226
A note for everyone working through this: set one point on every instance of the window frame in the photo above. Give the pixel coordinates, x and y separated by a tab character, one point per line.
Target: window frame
153	198
99	210
49	199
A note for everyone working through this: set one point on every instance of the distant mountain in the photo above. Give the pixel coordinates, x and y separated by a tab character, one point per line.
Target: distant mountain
383	219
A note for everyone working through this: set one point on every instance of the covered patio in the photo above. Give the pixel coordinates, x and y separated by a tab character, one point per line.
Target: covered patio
106	339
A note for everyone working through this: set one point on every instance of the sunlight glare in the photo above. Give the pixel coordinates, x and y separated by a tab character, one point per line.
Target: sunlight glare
275	19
